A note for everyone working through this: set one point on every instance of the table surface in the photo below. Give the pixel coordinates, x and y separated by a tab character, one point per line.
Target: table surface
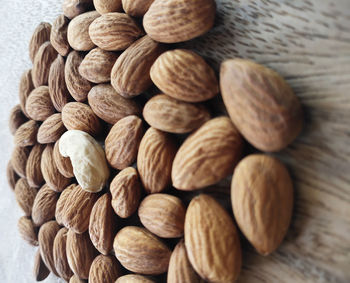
308	42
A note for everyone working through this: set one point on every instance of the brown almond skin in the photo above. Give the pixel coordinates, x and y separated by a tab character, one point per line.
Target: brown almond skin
104	269
103	224
73	8
170	115
51	130
12	177
76	279
122	142
60	205
58	36
64	165
262	201
44	205
25	196
19	160
134	278
60	255
207	156
154	160
184	75
76	84
130	74
172	21
136	8
215	256
261	104
40	270
107	6
16	119
33	169
28	232
25	88
39	106
40	35
26	134
163	215
126	192
140	251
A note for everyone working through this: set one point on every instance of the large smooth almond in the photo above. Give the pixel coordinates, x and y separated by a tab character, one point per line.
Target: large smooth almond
39	106
33	169
51	130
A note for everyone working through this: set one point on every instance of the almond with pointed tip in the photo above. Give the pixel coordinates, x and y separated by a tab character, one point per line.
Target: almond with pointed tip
108	6
60	205
40	270
104	269
40	35
25	196
33	169
39	106
19	160
26	134
51	130
16	119
28	231
12	177
136	8
58	36
64	165
25	88
73	8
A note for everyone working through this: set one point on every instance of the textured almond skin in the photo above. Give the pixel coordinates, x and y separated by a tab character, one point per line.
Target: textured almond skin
42	62
60	205
64	165
216	255
47	234
171	21
40	35
44	205
78	31
155	160
60	255
170	115
12	177
261	104
134	278
184	75
27	231
25	196
140	251
180	269
39	106
26	134
163	215
126	192
19	160
130	74
207	156
25	88
76	279
58	36
122	142
108	6
104	269
76	84
40	270
114	31
80	253
51	130
262	201
33	169
97	65
16	119
79	116
103	224
53	178
136	8
73	8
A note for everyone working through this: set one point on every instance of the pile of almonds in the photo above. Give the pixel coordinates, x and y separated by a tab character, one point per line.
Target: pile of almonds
101	153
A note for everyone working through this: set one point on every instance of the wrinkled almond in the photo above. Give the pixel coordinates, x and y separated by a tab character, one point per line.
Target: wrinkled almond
73	8
104	269
25	88
19	160
33	169
16	119
51	130
64	165
25	196
136	8
58	36
12	177
28	232
107	6
40	36
60	205
26	134
40	270
39	106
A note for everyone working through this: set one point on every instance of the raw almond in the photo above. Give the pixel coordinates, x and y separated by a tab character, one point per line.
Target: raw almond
154	160
136	8
140	251
261	104
126	192
122	142
212	241
104	269
25	88
130	74
16	119
107	6
25	196
19	160
207	156
40	36
58	36
51	130
76	279
163	215
134	278
40	270
173	21
64	165
33	169
73	8
12	177
39	106
26	134
184	75
262	201
60	205
170	115
28	232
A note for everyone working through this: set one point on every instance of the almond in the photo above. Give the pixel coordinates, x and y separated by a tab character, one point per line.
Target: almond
19	160
104	269
25	196
126	192
12	177
64	165
136	8
212	240
80	253
163	215
173	21
130	74
184	75
103	224
207	156
60	205
51	130
97	65
134	278
27	230
58	36
33	169
76	84
261	104
16	119
73	8
78	31
40	36
25	88
140	251
170	115
76	279
107	6
40	270
122	142
262	201
39	106
79	116
26	134
44	205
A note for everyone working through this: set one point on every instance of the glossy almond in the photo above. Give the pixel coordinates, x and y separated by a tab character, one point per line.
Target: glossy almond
25	196
51	130
58	36
207	156
134	278
28	231
16	118
19	160
64	165
212	241
40	270
60	205
33	169
11	175
25	88
40	35
136	8
107	6
26	134
73	8
39	106
104	269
